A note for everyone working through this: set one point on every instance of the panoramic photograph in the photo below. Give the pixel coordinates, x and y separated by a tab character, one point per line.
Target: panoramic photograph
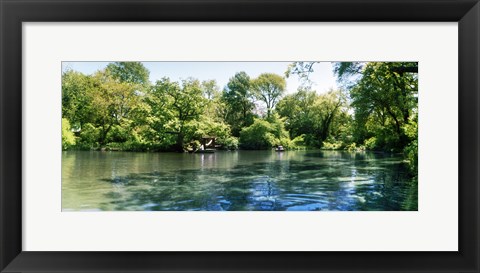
239	136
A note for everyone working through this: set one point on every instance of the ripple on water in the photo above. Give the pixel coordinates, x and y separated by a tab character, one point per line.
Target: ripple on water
247	181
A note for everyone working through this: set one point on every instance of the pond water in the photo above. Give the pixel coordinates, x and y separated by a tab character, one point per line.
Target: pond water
236	180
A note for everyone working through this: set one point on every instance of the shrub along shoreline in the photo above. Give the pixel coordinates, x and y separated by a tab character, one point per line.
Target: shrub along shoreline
119	109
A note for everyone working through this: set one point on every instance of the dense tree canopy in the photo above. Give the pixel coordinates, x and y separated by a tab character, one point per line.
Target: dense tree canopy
119	108
239	104
130	72
312	115
269	88
76	98
383	99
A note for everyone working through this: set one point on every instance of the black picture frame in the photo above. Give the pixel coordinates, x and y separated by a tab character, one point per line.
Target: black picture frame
14	12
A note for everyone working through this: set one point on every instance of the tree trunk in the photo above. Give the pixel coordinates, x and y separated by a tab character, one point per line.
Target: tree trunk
179	144
103	137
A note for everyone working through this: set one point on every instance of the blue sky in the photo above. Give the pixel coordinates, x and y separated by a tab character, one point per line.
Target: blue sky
322	77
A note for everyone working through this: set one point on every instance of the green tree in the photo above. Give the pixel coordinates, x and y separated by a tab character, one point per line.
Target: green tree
257	136
215	106
298	111
129	72
237	98
384	99
159	112
110	102
313	116
383	96
268	88
76	99
210	89
68	138
206	126
411	150
346	71
113	101
134	131
328	107
265	134
186	103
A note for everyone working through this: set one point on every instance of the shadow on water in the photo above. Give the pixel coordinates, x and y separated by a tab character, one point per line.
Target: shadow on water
339	182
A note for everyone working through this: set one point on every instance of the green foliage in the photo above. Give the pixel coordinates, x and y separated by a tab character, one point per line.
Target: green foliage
118	134
371	143
411	201
230	143
257	136
384	99
206	126
315	116
278	125
210	89
113	102
237	103
302	70
129	72
298	111
299	142
187	104
118	109
348	72
265	134
268	88
411	153
345	69
335	145
411	150
68	138
214	105
411	127
352	147
76	98
158	112
89	137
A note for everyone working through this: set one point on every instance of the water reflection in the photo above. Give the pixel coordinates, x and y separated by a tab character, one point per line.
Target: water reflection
243	180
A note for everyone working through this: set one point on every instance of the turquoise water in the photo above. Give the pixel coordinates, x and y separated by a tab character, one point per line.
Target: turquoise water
236	181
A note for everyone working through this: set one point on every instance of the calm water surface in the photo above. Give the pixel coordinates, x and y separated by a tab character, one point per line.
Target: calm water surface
240	180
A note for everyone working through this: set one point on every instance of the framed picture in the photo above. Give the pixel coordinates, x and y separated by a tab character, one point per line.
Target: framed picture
239	136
